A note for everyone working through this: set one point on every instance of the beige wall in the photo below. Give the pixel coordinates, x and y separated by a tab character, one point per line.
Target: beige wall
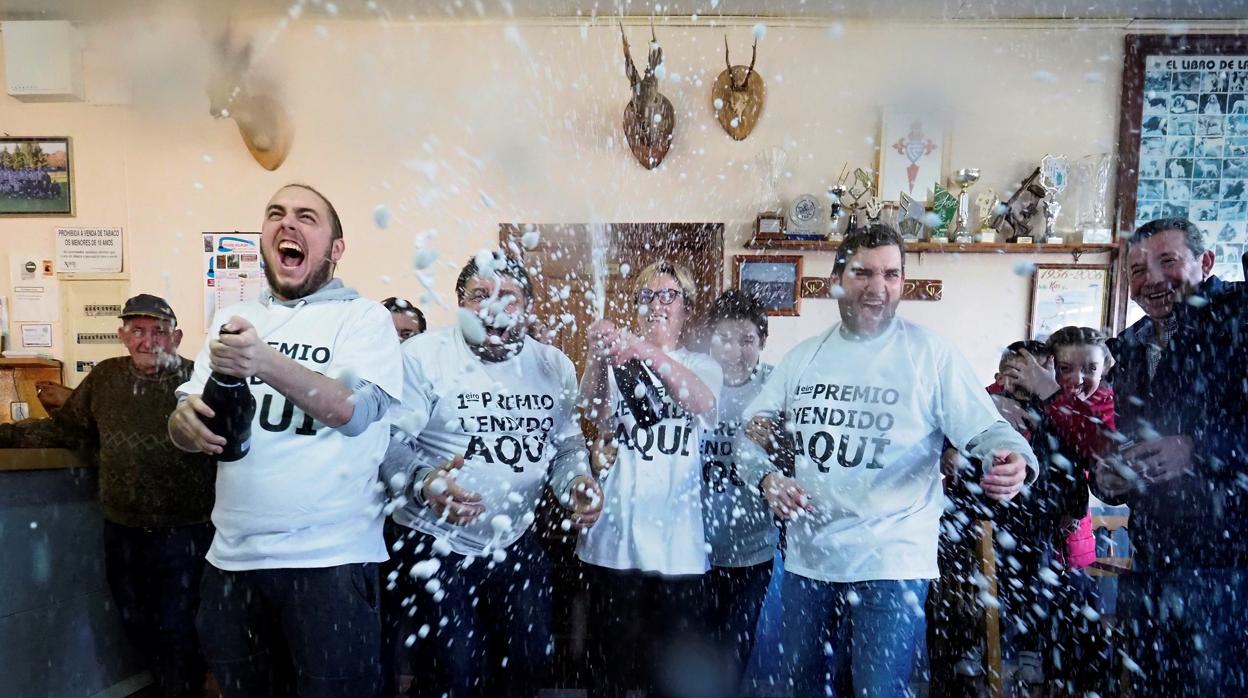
521	123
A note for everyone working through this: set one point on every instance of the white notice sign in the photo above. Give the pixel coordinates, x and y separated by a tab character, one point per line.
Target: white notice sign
88	250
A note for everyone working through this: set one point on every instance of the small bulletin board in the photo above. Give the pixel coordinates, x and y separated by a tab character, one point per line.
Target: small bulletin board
1068	294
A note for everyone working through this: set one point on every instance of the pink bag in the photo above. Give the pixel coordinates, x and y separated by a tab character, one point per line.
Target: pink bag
1081	545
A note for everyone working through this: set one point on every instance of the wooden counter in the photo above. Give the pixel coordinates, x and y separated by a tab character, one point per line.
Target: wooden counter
60	633
18	376
41	459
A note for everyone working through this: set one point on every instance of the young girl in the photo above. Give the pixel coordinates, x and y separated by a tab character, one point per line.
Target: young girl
647	554
1079	409
739	527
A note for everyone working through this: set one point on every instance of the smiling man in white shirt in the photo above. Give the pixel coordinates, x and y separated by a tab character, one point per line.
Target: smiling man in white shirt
868	404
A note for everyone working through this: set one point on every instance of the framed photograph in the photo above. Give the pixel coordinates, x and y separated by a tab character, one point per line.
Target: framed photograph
912	153
774	279
36	177
1183	120
769	226
1068	294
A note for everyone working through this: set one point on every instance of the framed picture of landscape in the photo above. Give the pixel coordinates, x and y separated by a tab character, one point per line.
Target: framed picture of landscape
36	177
773	279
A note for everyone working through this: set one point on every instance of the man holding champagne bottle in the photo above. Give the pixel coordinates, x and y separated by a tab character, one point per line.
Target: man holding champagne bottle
290	595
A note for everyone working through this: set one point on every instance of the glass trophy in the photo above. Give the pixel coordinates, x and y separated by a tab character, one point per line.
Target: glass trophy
945	206
1092	187
836	207
910	218
1054	176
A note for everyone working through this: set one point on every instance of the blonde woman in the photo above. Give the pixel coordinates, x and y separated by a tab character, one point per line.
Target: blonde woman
647	554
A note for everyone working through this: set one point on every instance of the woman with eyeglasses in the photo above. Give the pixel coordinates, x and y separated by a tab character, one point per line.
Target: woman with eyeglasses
647	554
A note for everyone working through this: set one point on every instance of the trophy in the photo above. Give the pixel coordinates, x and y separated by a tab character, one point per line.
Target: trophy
836	194
861	187
945	206
986	203
769	225
1020	208
910	218
1092	176
964	178
771	162
1053	179
874	208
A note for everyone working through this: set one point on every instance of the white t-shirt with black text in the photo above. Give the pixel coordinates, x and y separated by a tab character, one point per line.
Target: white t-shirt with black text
869	418
739	525
306	495
506	418
652	518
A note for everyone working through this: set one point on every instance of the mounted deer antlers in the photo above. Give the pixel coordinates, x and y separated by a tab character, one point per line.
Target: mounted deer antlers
262	120
649	117
737	96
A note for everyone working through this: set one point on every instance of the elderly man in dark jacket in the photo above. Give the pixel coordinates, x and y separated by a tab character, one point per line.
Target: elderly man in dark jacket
1179	408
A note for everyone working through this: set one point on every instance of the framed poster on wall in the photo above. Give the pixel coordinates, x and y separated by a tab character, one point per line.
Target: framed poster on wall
912	152
1068	294
1183	139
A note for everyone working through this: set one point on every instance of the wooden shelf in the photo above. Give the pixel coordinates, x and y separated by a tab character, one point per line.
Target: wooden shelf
969	248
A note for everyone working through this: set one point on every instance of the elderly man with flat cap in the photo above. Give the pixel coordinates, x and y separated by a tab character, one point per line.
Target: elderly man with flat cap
156	498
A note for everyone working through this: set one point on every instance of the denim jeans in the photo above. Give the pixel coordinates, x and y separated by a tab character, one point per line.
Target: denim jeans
868	628
1185	631
489	635
314	632
154	576
734	598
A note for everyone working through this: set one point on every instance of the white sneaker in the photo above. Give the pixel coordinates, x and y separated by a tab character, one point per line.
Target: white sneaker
971	664
1030	668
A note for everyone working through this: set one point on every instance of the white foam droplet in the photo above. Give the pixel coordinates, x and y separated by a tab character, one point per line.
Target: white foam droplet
381	216
438	486
442	546
501	523
718	103
1025	268
760	30
425	569
530	239
398	481
470	325
424	258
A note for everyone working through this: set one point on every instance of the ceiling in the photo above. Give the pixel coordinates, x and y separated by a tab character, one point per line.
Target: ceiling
911	10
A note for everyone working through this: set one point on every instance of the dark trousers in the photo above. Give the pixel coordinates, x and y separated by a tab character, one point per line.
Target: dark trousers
649	633
396	603
475	627
154	576
312	633
734	598
1185	631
